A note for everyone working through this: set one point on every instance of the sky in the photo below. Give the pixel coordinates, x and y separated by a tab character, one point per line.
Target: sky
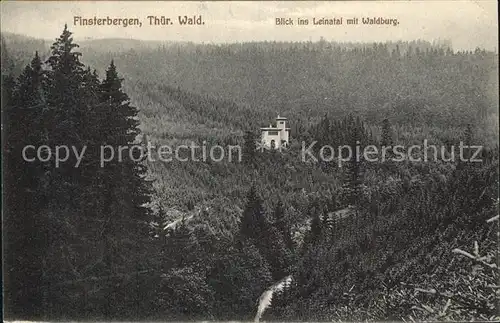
468	24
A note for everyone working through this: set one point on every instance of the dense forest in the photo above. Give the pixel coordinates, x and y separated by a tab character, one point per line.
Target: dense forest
153	240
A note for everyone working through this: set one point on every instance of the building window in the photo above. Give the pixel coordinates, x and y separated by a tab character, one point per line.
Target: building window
273	133
273	144
281	122
283	143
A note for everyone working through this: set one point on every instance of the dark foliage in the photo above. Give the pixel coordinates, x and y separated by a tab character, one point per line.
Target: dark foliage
363	240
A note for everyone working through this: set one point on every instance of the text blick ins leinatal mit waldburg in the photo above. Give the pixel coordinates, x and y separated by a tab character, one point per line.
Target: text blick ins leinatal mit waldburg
193	20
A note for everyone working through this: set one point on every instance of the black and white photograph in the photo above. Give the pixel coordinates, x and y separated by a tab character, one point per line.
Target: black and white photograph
250	161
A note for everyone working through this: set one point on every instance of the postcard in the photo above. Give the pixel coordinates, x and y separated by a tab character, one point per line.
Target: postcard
250	161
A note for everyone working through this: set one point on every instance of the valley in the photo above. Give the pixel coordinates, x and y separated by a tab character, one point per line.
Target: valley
361	241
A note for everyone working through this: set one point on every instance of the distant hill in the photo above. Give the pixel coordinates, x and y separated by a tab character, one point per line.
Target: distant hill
121	44
413	83
23	42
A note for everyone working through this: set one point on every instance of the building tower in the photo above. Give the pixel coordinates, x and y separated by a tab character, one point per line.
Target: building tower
277	136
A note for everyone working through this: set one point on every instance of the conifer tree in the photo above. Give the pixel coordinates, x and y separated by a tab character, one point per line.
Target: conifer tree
180	238
283	225
325	221
255	228
468	137
324	131
57	212
249	148
352	182
316	229
124	191
386	133
23	106
25	116
237	278
6	60
334	228
313	235
386	140
64	119
120	128
353	171
65	82
253	222
93	120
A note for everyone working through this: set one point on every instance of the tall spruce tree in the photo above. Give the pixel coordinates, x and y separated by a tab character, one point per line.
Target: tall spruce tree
283	225
23	106
64	116
64	90
82	228
120	127
93	120
386	140
256	229
386	133
353	168
124	191
249	148
253	222
468	137
315	231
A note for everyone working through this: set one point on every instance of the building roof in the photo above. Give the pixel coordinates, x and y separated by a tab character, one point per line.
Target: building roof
280	118
273	129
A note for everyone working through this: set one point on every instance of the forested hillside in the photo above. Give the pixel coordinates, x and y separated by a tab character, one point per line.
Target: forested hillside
415	84
148	239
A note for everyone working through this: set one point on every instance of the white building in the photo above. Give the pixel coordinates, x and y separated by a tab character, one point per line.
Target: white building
277	136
